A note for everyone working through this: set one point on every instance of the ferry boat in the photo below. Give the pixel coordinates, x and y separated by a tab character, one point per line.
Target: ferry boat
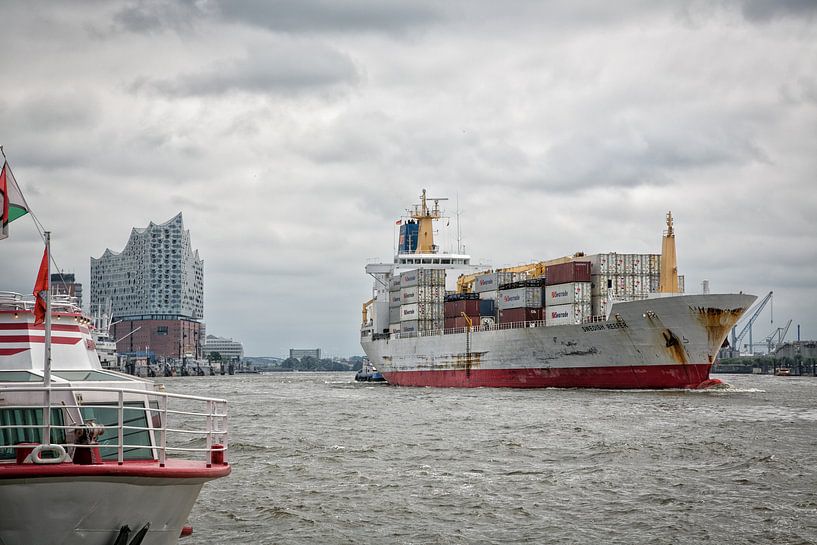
583	321
89	455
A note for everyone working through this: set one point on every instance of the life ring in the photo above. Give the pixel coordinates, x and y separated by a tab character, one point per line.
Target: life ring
36	455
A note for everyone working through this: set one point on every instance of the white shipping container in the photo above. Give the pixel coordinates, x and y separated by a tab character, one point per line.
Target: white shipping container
394	299
681	283
637	268
571	292
519	298
409	326
489	295
436	324
628	263
394	283
628	285
492	281
654	283
567	314
394	315
618	259
422	294
655	264
422	277
394	328
641	284
603	261
421	311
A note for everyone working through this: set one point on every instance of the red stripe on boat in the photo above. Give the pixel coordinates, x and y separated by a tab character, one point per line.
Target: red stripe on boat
11	351
37	339
39	327
174	469
618	377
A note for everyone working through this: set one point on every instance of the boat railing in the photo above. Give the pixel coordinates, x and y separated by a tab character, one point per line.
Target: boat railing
489	327
172	423
10	300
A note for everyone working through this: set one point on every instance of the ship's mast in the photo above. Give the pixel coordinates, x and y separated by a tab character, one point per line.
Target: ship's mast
425	217
668	282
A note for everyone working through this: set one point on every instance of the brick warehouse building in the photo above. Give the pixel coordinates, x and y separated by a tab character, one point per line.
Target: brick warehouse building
155	288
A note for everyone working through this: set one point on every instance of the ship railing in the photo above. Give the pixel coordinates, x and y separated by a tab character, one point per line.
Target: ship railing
145	425
10	300
490	327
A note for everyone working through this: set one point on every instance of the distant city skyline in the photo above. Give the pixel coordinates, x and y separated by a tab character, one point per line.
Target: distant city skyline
292	136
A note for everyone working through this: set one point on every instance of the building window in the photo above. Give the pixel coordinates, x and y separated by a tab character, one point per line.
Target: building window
161	330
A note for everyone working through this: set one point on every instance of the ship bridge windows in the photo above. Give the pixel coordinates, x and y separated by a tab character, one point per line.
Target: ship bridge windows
19	376
87	375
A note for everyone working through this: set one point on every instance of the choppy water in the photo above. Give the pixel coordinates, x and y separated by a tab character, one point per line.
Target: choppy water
320	459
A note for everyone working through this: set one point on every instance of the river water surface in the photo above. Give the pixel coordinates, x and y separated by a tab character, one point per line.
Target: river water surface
318	458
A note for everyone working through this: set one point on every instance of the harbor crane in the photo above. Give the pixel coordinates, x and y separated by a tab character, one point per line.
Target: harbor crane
747	328
775	339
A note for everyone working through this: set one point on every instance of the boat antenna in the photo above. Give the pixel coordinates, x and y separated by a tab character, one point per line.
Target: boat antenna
459	233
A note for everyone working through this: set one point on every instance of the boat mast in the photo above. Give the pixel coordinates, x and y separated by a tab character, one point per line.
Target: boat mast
47	362
425	217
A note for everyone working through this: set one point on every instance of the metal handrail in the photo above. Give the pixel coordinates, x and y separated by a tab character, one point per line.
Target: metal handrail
214	433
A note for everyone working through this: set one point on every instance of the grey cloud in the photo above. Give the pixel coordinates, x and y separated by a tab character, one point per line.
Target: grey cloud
763	11
330	15
282	68
51	112
145	17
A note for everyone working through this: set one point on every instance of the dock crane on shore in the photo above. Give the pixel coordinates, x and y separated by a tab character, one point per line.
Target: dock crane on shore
775	339
747	328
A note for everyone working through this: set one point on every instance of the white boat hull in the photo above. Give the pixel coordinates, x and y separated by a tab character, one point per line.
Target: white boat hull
91	510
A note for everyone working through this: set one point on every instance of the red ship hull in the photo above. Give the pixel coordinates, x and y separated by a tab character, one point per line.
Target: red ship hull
618	377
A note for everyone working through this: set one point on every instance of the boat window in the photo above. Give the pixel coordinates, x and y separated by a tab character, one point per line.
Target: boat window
19	376
14	430
84	375
133	417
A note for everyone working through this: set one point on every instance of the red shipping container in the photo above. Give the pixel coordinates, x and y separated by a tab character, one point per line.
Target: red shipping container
520	315
451	323
454	309
575	271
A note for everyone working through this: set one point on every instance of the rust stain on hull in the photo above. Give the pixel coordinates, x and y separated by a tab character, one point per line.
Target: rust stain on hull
718	322
674	347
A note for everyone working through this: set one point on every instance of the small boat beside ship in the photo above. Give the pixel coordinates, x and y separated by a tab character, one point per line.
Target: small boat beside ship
609	320
369	373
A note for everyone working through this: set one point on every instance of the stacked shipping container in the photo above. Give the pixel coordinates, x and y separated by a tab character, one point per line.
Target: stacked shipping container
624	277
422	295
455	309
394	304
567	293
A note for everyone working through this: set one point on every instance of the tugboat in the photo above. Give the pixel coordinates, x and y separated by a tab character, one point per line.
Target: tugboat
369	373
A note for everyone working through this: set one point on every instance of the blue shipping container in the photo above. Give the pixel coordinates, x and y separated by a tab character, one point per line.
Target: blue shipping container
486	307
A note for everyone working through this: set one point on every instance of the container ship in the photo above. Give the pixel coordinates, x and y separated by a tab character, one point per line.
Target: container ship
608	320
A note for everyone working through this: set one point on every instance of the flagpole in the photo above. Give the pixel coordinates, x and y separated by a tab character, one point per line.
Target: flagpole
47	362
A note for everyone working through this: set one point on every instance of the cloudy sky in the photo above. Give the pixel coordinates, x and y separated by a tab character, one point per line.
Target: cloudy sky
293	133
